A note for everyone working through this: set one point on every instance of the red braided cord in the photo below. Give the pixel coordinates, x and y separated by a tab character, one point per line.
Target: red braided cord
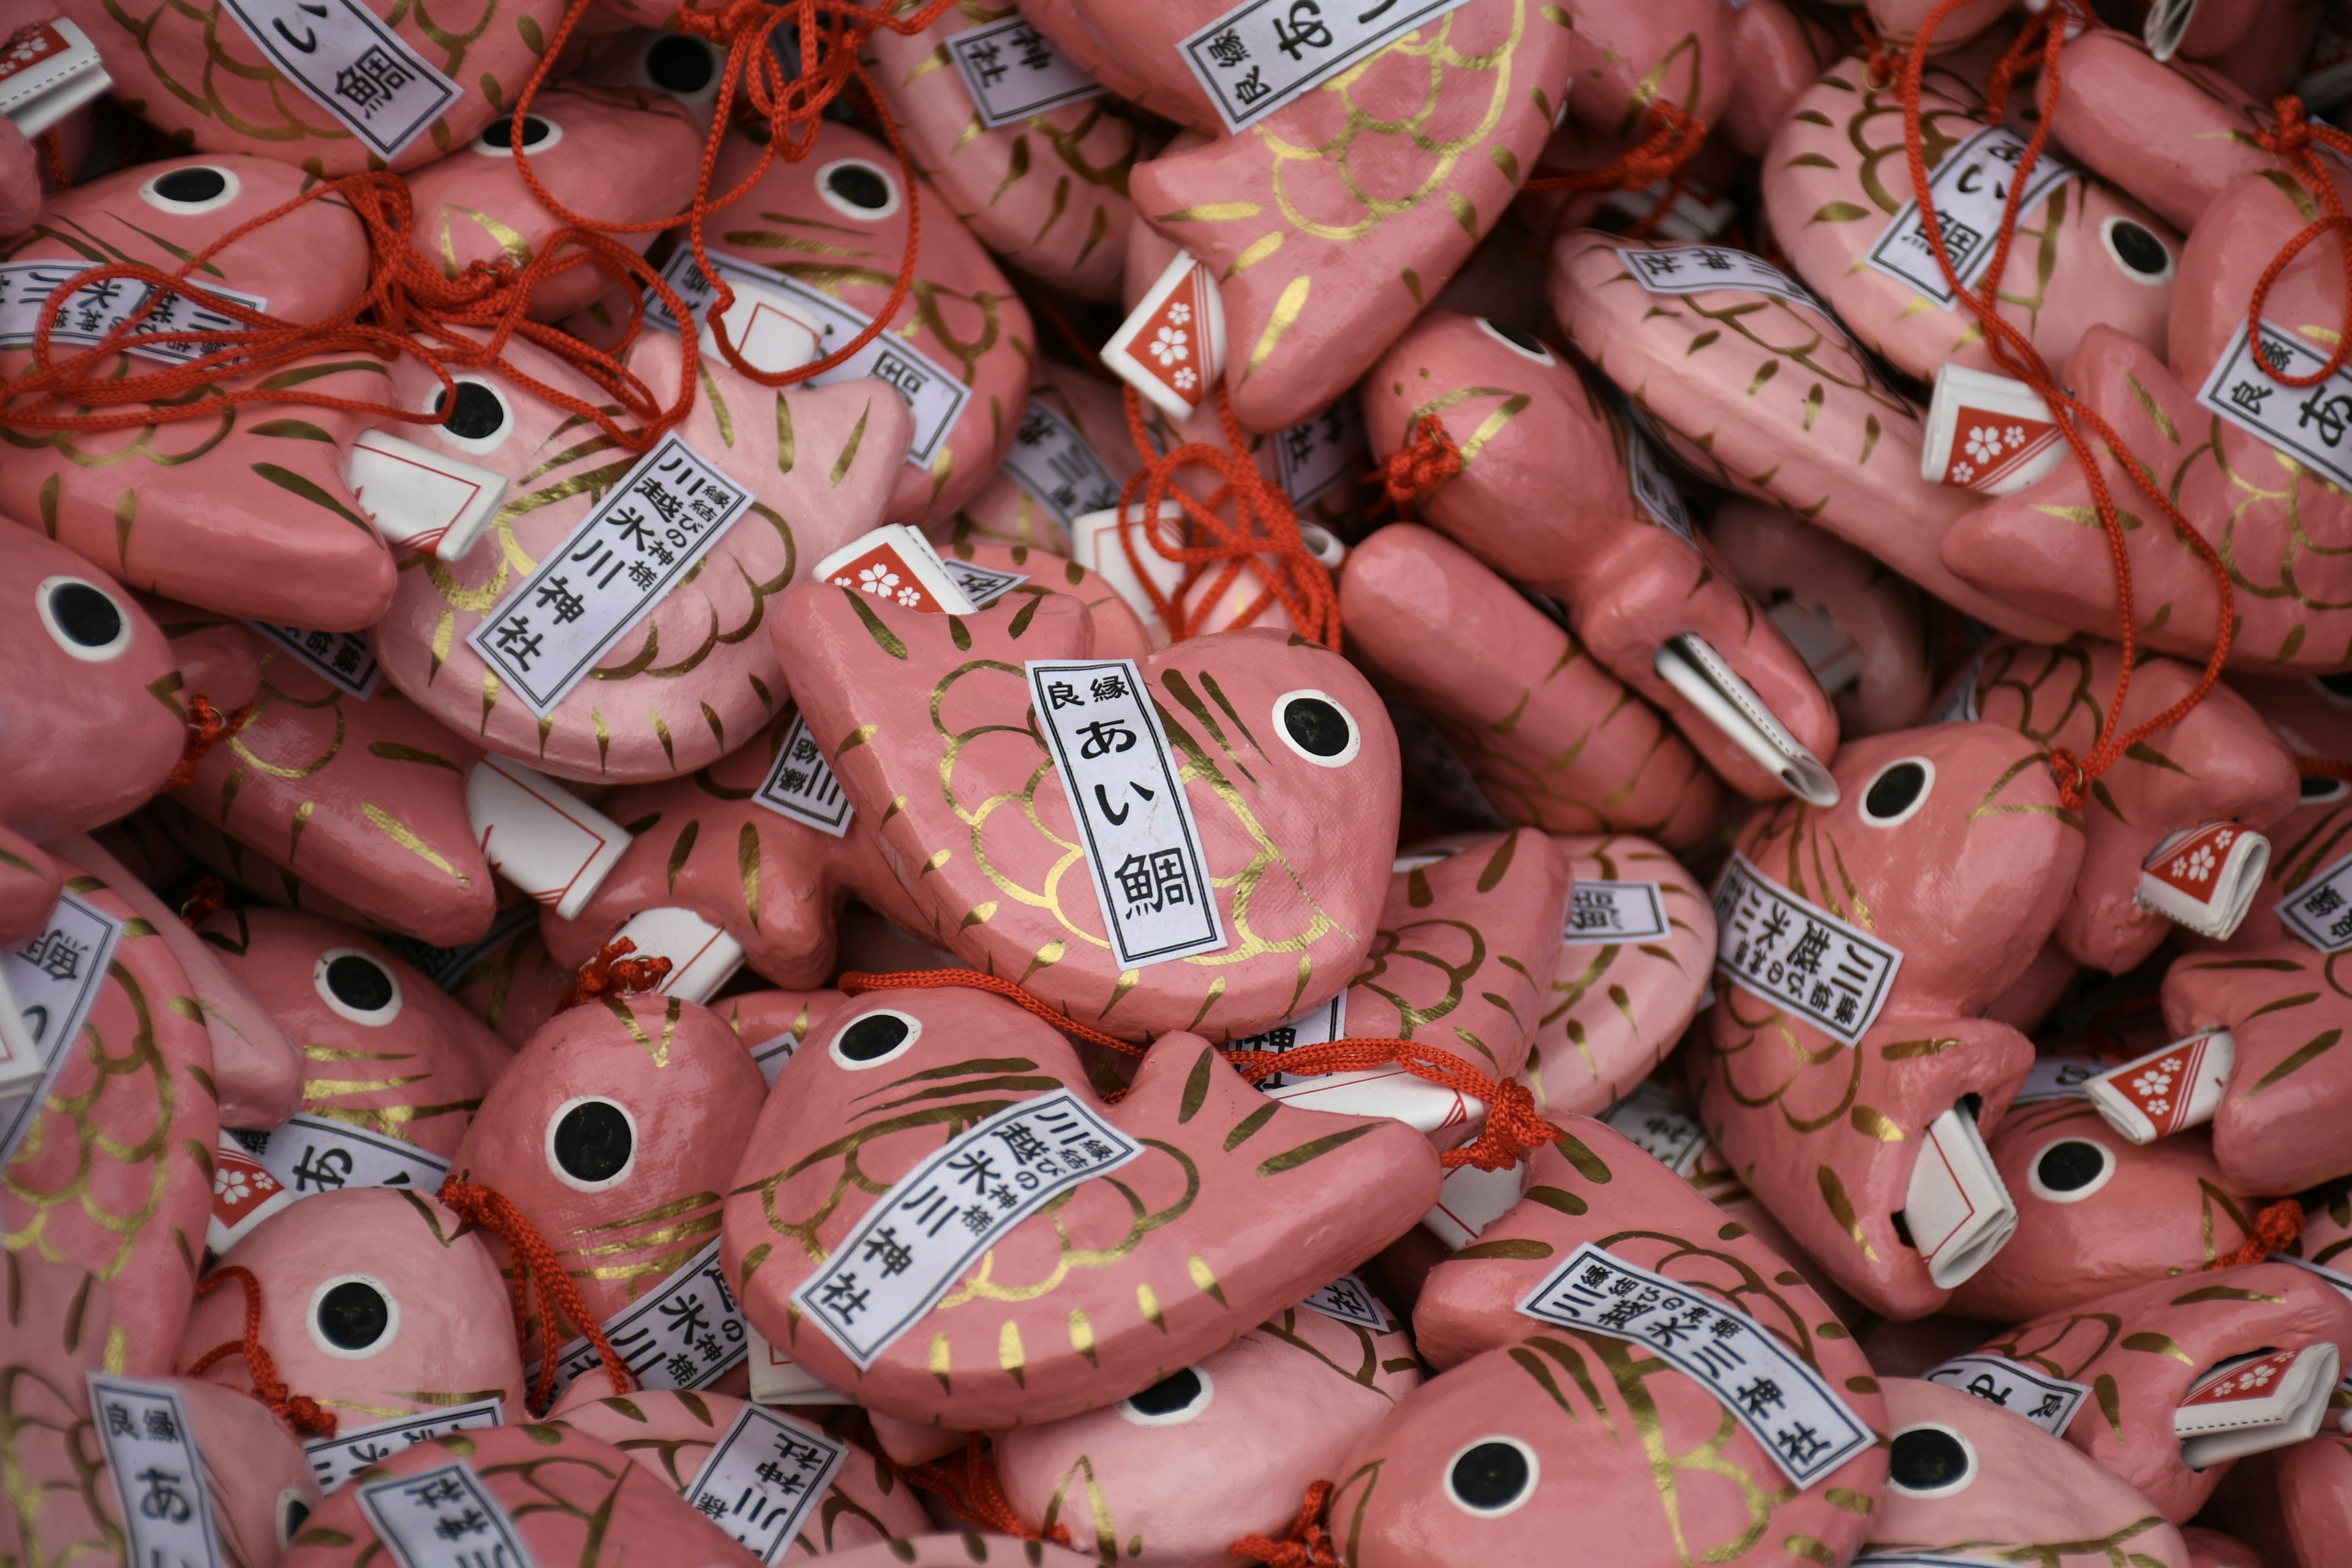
1512	1125
539	1273
299	1411
614	973
2275	1230
2014	352
206	729
1265	524
968	1486
1428	459
1308	1544
1665	155
2291	141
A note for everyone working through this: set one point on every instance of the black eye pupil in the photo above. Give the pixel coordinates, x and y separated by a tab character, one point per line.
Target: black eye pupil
1924	1458
499	133
593	1141
1170	1395
1490	1474
875	1035
85	614
678	65
296	1510
479	413
859	187
191	184
2069	1166
360	982
1319	727
2139	250
1893	790
2317	787
1519	340
354	1316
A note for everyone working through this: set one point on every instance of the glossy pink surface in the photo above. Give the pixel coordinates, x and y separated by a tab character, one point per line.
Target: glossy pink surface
2280	1125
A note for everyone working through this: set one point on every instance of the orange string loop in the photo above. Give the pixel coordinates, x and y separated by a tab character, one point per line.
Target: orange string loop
1266	525
2292	141
300	1411
2015	355
1307	1545
2275	1230
968	1486
2324	768
539	1278
206	729
1512	1127
1427	459
207	899
612	972
1664	156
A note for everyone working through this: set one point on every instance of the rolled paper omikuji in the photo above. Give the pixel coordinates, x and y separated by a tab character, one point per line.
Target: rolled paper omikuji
539	835
2166	1091
2255	1402
1989	432
1172	347
1700	673
2205	877
1958	1211
898	567
702	956
420	498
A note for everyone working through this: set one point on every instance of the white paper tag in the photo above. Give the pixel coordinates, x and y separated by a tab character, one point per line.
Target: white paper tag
770	1056
420	498
1057	466
1695	269
1143	848
917	1241
1957	1210
52	981
1263	53
2319	913
800	784
336	1459
647	533
316	1155
763	1478
935	398
2049	1403
444	1518
2059	1078
1971	188
351	65
1797	956
1615	912
1314	1026
343	659
167	1507
1661	1124
1471	1200
1014	72
96	309
47	71
683	1335
1349	1301
447	967
983	585
1317	453
1785	1405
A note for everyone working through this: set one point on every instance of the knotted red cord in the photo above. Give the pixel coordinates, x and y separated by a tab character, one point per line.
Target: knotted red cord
207	899
539	1275
1308	1544
2275	1230
968	1486
1266	525
2291	140
2014	352
1427	459
612	972
206	729
300	1411
1512	1125
1664	156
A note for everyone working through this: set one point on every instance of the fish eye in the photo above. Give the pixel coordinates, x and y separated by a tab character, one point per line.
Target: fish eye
497	140
2143	257
82	618
481	421
1897	791
356	987
2318	789
1522	344
2070	1170
293	1507
353	1317
856	188
1175	1399
592	1143
683	67
1491	1477
1929	1460
873	1039
1315	725
191	189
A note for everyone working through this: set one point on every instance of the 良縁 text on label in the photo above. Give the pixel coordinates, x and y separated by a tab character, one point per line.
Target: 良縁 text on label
167	1508
2307	423
919	1238
1263	53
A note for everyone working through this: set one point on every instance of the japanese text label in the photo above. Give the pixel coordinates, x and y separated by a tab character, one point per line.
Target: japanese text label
1349	1301
96	309
682	1336
167	1507
1263	53
1014	72
443	1519
2307	423
763	1478
1057	467
351	65
337	1459
56	977
1971	187
2049	1403
800	784
1695	269
1615	912
341	659
317	1155
1797	956
1317	453
448	967
1662	1124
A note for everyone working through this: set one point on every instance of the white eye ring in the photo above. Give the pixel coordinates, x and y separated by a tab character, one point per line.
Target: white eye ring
1909	808
1339	759
850	209
2145	280
1959	1483
376	1346
2042	1190
321	980
581	1183
156	198
486	148
1189	1411
290	1499
2329	790
43	594
1538	355
888	1053
1517	1501
478	445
